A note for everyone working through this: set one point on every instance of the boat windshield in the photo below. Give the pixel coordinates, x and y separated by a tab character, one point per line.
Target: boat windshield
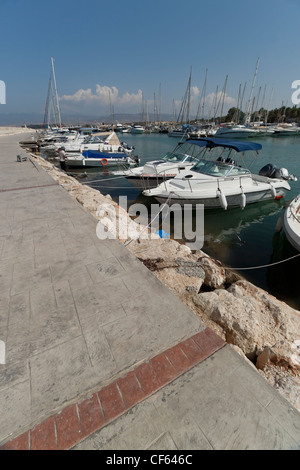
176	157
219	168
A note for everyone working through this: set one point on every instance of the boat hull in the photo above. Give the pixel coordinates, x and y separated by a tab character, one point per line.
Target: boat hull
231	200
93	163
236	135
145	182
291	223
98	159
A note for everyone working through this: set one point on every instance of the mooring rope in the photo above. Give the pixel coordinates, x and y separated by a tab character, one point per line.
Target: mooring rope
264	265
147	226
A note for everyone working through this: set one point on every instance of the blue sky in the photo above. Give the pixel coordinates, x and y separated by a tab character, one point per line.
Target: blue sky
118	52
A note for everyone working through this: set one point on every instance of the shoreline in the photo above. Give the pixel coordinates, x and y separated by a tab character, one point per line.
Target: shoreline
264	330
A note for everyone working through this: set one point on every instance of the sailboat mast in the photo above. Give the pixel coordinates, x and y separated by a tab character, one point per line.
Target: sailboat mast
248	113
224	93
202	100
47	107
267	113
189	99
56	94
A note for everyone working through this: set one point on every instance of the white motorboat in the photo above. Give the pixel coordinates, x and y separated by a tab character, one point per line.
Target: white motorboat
101	153
179	132
237	131
150	175
218	181
83	142
291	222
95	159
137	129
286	130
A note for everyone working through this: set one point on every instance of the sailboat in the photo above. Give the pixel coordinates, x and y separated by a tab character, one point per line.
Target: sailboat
241	131
52	103
184	114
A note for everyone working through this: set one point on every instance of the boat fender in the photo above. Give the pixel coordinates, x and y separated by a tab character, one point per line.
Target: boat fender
104	161
243	200
273	191
222	199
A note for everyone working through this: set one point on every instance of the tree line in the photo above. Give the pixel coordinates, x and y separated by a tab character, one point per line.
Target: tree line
282	114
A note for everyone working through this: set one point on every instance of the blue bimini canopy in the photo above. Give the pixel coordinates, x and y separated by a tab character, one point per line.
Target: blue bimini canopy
232	144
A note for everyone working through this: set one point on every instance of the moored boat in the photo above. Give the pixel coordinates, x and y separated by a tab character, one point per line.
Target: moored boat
150	175
101	153
218	181
237	131
137	129
291	222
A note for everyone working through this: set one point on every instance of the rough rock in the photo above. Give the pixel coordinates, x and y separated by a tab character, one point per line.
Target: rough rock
262	326
215	274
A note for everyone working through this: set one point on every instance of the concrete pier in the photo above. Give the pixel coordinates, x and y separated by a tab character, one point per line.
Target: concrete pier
98	353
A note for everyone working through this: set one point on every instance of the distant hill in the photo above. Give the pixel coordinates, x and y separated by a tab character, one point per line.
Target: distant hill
19	119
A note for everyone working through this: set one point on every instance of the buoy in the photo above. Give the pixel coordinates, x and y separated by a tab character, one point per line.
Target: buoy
243	200
222	199
104	161
273	191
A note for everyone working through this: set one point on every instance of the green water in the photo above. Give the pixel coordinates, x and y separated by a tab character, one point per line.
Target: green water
238	238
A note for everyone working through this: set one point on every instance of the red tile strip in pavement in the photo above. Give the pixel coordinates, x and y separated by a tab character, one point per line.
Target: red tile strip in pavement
76	422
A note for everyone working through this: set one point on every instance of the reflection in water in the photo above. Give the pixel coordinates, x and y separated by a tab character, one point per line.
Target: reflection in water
283	278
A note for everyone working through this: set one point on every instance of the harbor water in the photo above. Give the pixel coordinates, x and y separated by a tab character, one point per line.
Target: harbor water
240	239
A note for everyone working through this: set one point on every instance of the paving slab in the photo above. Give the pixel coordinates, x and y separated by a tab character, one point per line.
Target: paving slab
101	355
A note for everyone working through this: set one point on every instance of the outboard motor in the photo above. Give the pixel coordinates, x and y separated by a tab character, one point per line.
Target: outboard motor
283	173
268	170
271	171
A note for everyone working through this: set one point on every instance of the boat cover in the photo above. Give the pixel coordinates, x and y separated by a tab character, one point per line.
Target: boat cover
233	144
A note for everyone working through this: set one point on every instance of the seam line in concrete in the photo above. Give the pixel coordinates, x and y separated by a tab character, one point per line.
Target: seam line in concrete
28	187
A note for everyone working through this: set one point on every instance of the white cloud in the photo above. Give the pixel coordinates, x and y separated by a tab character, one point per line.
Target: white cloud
228	100
104	95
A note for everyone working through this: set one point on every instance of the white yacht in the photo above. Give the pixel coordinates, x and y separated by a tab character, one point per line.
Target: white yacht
286	130
236	131
150	175
100	152
218	180
137	129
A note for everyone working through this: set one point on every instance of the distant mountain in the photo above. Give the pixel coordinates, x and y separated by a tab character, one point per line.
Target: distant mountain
19	119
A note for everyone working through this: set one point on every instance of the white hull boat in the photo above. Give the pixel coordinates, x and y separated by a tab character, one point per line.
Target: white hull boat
217	181
236	132
136	129
286	131
291	222
96	152
183	157
95	159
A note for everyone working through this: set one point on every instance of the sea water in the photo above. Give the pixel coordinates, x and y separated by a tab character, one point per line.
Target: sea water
238	238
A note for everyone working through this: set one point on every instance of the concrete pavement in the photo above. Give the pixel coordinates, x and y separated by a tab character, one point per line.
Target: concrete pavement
98	353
